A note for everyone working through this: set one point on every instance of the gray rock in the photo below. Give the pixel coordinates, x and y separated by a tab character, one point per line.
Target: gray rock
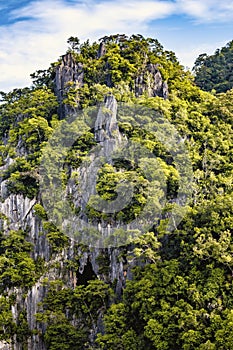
69	73
150	81
102	50
106	122
19	213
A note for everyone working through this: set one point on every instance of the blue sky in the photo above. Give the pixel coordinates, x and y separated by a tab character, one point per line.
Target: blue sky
34	32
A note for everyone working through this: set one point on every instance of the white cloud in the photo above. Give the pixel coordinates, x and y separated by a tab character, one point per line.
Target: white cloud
30	45
26	46
206	10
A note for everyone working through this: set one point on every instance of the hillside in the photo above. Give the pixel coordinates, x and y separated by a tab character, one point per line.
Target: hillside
215	71
116	204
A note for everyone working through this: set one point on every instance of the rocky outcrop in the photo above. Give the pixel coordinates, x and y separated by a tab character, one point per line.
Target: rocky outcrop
101	50
150	81
69	74
18	213
106	122
24	217
109	141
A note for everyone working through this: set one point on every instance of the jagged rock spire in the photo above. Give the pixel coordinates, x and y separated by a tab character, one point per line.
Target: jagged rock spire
106	122
150	81
69	74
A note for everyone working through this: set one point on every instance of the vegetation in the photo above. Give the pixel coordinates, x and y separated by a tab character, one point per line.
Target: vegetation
179	295
215	72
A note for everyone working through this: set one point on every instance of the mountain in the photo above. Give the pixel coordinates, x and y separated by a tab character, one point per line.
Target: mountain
116	204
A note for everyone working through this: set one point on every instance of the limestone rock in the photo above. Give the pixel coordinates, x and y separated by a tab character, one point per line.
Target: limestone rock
102	50
106	122
150	81
69	73
19	212
20	215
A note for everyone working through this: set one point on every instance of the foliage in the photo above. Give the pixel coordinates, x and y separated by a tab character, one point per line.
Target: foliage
214	72
179	295
17	268
70	313
57	240
40	211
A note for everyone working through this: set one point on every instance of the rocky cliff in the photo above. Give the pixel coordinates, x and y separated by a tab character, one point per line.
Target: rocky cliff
71	75
18	211
150	81
18	214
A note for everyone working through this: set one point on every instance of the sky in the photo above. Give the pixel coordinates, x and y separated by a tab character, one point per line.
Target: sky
34	33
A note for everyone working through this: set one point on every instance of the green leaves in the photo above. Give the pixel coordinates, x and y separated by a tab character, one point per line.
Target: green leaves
179	295
17	268
69	314
215	71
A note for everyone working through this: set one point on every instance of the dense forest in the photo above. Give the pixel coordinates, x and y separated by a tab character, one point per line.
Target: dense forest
166	289
215	72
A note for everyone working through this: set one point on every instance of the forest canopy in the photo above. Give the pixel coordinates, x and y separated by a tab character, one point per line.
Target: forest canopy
215	72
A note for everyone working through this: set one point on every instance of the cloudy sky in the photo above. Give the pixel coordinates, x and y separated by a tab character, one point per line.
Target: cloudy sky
34	33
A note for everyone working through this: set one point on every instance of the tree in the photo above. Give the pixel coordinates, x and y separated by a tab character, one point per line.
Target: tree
215	71
74	43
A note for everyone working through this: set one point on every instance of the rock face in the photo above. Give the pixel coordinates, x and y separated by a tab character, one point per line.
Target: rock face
102	50
150	81
20	214
69	74
106	122
109	142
